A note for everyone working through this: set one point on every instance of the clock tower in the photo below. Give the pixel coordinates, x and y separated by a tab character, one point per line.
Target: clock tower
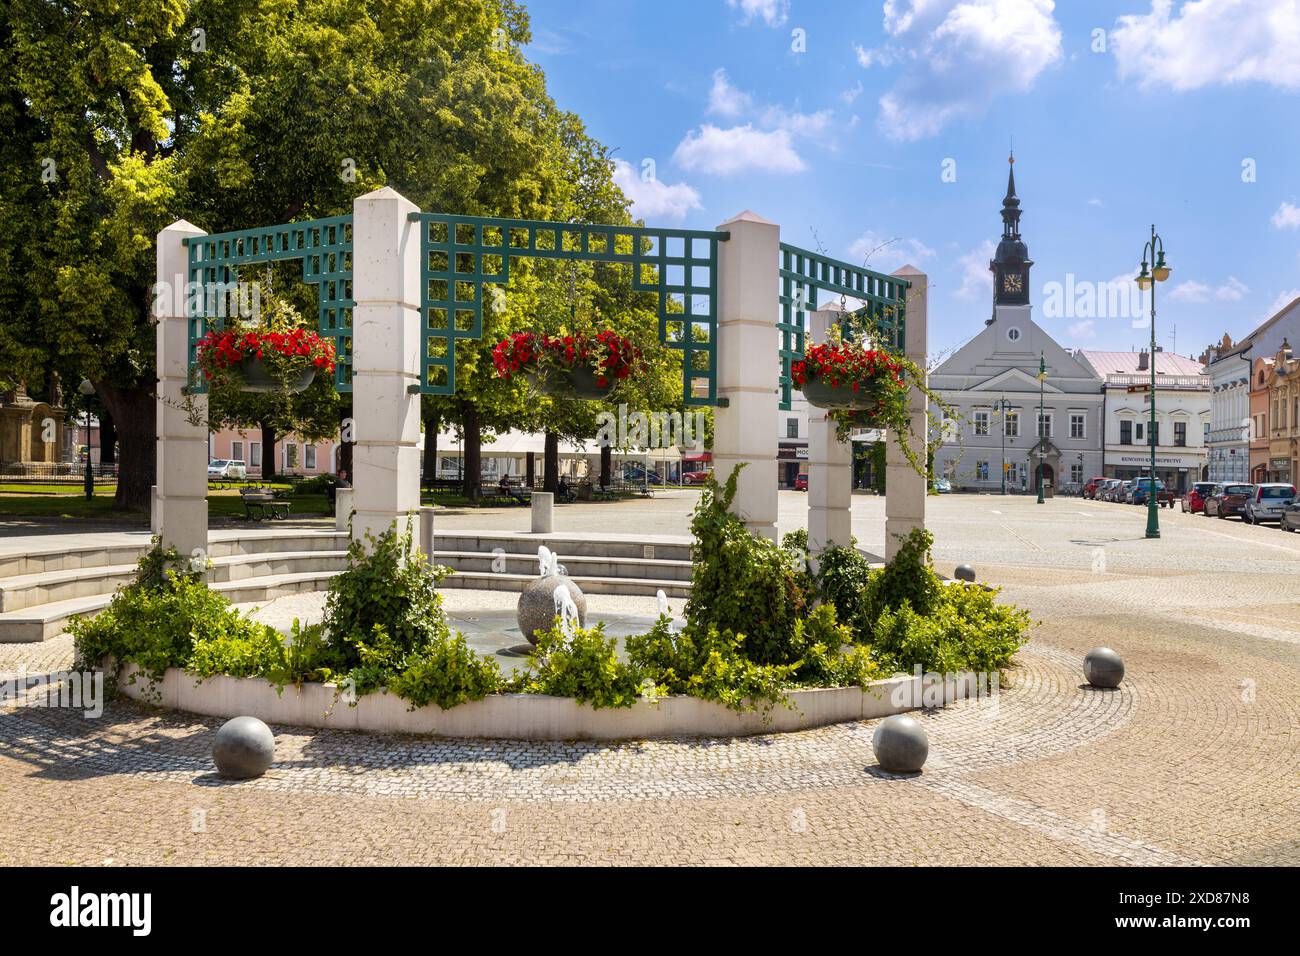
1010	264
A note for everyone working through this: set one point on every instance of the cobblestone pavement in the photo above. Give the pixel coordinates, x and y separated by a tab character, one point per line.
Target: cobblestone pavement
1194	760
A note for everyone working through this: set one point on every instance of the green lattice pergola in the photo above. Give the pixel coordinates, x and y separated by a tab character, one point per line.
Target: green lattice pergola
323	245
804	273
465	255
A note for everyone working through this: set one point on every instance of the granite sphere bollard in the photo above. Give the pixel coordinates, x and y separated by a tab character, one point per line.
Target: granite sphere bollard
965	573
1103	667
244	748
536	610
900	744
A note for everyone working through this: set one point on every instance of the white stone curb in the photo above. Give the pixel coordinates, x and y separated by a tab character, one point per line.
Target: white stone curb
534	716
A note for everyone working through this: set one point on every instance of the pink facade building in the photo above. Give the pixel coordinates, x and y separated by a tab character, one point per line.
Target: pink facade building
293	456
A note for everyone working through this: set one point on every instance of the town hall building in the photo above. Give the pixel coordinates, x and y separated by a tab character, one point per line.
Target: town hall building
992	382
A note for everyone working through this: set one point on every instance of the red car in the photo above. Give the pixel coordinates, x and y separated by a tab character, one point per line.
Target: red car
695	477
801	483
1194	497
1090	489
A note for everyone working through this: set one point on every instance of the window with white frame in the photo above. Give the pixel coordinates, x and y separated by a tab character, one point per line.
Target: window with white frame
980	422
1076	473
1011	425
290	454
310	454
981	471
1078	425
255	454
1044	425
237	450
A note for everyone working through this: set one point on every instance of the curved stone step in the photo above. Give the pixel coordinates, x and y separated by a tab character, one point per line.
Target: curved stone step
575	567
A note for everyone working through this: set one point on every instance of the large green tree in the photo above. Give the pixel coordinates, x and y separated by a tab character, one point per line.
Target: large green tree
123	115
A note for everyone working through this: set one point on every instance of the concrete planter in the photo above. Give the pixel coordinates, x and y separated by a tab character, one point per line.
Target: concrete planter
534	716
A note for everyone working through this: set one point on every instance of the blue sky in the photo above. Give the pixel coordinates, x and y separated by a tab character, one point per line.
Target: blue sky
1189	118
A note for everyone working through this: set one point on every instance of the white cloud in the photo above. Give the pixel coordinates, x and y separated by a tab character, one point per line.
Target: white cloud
799	124
1282	301
1086	329
725	151
652	199
885	56
961	55
1232	290
885	254
852	93
725	99
771	12
1190	291
1095	202
1210	42
1286	217
976	280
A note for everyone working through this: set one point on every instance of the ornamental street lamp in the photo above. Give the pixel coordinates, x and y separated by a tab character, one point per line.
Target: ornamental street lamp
1042	430
87	389
1155	251
1001	406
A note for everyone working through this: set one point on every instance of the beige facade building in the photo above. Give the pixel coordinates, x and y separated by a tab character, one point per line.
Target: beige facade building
1284	416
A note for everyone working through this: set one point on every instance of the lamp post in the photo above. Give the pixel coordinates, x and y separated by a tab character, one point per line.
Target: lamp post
1042	432
1001	407
1155	251
87	389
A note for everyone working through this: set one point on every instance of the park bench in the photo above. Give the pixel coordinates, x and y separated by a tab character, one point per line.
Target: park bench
261	503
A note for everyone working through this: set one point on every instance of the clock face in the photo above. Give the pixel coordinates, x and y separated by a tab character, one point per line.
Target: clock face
1011	282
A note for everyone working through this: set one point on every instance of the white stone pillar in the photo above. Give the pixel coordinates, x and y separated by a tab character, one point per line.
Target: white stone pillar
905	490
748	367
426	532
342	508
181	500
541	504
386	348
830	466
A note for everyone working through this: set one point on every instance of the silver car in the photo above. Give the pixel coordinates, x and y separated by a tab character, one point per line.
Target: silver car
1267	502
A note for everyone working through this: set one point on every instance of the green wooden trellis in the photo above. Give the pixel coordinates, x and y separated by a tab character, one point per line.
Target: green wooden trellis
803	272
323	245
464	256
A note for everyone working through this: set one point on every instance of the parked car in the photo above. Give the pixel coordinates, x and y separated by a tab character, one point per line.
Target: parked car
1093	485
1228	499
1107	490
1141	487
1266	501
635	474
1194	497
1290	520
695	477
801	482
1124	494
943	486
227	469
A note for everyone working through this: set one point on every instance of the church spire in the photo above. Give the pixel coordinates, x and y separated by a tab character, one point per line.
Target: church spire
1011	262
1011	203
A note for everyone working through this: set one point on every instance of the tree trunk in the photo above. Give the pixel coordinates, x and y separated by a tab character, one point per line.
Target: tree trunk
429	469
530	467
136	410
344	460
551	463
268	453
107	438
606	465
472	455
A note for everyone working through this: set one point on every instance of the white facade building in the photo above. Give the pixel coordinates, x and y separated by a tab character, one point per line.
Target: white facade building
1182	415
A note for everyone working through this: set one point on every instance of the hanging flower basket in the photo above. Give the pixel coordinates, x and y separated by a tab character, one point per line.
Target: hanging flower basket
577	367
265	360
256	377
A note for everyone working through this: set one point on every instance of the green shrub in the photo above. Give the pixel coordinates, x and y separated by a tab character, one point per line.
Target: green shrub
585	667
708	664
844	580
446	672
160	628
742	584
383	592
967	630
830	658
252	651
907	579
305	656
